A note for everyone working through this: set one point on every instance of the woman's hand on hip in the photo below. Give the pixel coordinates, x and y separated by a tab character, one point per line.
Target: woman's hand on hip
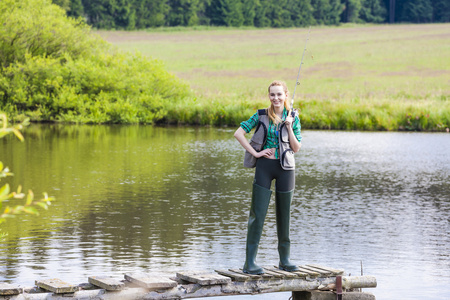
267	153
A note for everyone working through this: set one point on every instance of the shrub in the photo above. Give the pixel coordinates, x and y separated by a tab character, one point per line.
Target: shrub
54	69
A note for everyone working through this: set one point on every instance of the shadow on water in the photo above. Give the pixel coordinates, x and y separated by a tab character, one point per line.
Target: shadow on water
162	200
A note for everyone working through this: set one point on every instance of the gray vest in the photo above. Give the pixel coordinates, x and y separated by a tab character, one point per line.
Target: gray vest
259	138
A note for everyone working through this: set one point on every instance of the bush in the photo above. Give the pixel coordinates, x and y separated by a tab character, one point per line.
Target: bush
54	69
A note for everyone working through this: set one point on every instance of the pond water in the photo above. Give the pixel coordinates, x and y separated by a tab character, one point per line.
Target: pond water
163	200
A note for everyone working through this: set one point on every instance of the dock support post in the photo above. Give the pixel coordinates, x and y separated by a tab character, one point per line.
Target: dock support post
338	287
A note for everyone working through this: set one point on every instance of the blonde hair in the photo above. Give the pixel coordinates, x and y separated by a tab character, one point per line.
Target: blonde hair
271	111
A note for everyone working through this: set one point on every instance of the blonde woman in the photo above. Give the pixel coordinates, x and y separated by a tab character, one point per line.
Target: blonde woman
277	137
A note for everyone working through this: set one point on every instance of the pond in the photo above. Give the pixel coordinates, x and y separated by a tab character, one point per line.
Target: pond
169	199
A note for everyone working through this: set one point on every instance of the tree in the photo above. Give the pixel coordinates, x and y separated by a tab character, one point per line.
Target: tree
226	13
183	12
441	10
76	9
150	13
278	13
351	11
301	12
327	12
99	13
249	11
373	11
261	19
65	4
31	205
417	11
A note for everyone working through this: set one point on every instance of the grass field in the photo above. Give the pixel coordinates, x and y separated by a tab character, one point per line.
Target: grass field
354	77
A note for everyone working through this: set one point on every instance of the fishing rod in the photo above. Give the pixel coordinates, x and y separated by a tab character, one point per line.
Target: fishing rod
299	69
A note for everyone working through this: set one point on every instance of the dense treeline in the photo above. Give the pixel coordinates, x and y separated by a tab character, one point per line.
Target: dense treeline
139	14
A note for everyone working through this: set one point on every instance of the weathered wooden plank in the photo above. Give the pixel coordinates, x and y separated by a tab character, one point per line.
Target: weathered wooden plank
234	276
272	271
301	274
284	273
265	276
321	272
7	289
332	270
203	278
251	276
56	285
150	281
307	271
107	283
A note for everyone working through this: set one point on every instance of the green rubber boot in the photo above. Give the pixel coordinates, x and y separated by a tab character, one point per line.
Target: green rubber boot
283	214
258	211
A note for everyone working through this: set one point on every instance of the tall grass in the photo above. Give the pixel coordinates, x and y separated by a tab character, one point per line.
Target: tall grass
353	77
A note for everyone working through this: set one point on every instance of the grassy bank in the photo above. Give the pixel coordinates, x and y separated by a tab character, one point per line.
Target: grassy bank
353	77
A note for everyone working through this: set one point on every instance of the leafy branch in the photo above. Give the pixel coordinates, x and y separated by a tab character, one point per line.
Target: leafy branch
31	205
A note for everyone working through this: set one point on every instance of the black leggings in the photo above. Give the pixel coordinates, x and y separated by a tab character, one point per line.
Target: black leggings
270	169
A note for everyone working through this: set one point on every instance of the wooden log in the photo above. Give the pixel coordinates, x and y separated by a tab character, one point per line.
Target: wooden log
353	282
196	291
56	285
203	278
107	283
9	289
150	281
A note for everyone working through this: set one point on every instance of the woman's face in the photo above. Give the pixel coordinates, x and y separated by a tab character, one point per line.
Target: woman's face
277	96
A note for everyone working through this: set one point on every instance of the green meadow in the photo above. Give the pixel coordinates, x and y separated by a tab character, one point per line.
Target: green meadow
353	77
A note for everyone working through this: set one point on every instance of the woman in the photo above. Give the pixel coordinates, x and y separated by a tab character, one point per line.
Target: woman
280	139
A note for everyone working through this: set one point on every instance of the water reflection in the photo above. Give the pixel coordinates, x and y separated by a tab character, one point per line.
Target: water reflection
142	198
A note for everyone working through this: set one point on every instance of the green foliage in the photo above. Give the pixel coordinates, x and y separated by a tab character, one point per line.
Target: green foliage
183	12
373	11
139	14
63	73
31	205
441	10
351	11
38	28
417	11
327	12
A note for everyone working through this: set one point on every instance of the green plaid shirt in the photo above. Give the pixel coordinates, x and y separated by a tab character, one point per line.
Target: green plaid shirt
272	132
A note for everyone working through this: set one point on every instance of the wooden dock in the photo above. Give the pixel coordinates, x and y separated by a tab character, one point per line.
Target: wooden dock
191	284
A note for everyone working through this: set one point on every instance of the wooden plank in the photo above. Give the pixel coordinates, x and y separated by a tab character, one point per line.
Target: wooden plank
234	276
272	271
107	283
7	289
321	272
282	272
56	285
150	281
203	278
332	270
309	272
301	274
251	276
255	277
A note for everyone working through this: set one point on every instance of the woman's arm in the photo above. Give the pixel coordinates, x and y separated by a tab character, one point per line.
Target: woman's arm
293	142
240	136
